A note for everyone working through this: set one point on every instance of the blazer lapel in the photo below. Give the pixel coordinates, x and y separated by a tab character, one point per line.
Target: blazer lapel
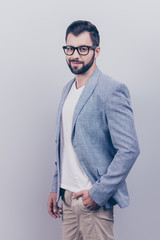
63	98
88	90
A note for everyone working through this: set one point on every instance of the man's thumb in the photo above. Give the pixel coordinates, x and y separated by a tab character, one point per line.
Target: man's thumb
54	206
78	194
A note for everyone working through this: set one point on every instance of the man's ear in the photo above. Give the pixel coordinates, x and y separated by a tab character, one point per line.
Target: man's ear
97	51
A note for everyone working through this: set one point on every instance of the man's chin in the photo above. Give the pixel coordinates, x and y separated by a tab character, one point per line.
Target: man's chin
76	70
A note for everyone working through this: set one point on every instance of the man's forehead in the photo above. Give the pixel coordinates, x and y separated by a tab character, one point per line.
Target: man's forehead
81	39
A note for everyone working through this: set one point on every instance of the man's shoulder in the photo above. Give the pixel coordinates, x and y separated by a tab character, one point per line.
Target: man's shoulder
108	87
108	81
109	84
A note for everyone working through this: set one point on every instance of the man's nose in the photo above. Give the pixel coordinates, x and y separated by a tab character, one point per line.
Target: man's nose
76	54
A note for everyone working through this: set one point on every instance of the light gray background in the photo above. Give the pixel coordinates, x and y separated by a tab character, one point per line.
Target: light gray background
32	73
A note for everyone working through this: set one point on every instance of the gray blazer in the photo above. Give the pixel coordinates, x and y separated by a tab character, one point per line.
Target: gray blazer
103	137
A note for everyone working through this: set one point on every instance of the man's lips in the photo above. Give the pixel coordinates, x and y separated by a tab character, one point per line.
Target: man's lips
75	62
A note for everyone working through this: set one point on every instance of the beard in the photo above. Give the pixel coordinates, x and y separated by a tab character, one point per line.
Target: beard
83	69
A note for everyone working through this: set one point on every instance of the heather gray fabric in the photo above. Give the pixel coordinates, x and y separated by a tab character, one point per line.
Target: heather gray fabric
103	137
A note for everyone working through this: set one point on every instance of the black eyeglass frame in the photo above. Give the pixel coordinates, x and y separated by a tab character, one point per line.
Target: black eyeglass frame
76	48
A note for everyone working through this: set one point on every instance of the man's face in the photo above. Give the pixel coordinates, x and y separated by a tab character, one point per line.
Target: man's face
79	64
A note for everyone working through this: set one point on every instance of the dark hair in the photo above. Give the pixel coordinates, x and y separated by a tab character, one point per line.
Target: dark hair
80	26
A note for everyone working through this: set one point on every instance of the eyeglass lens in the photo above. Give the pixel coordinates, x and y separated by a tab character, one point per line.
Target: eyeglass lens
82	50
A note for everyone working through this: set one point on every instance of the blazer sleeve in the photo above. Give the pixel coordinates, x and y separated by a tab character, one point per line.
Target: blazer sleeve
119	115
54	180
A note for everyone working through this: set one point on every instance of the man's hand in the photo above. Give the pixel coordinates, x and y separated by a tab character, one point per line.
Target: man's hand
53	208
87	200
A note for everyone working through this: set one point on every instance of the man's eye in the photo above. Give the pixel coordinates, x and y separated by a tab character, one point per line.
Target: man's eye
69	48
83	49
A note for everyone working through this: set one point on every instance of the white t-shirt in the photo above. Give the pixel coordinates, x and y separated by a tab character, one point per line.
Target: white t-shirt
73	177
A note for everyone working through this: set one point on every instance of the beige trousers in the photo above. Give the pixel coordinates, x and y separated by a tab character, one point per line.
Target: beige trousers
80	223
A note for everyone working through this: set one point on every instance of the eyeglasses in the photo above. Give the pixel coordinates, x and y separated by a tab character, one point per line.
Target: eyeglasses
82	50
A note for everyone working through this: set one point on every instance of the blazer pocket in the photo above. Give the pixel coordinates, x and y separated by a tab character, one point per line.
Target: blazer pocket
101	171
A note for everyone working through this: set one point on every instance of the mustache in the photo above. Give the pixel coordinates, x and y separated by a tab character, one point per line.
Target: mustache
74	60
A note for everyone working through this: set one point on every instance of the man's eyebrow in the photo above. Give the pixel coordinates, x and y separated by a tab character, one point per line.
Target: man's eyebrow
78	46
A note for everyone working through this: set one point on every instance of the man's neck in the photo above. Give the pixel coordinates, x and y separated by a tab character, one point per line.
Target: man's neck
82	79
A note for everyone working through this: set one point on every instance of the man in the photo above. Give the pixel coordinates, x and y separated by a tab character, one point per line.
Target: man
96	142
